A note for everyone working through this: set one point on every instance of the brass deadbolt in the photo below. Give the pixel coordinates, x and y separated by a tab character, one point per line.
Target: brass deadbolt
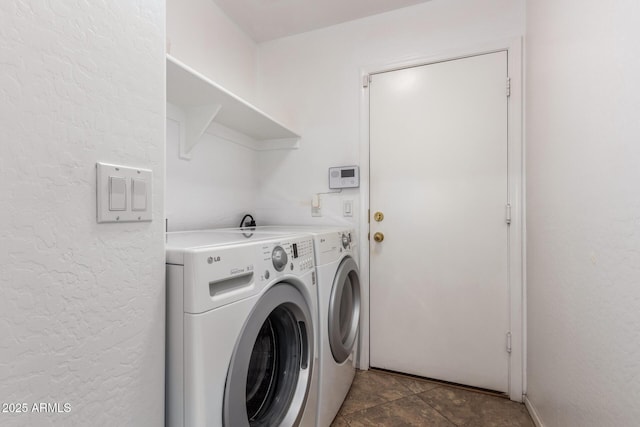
378	216
378	237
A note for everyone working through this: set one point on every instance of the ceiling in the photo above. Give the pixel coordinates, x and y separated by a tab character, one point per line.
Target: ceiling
265	20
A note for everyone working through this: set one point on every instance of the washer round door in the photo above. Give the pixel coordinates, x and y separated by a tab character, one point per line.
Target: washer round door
344	310
270	372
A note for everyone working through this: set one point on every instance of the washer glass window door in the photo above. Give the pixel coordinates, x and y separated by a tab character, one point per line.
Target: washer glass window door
270	371
344	310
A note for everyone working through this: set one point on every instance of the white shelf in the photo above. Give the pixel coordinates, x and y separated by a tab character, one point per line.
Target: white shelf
210	108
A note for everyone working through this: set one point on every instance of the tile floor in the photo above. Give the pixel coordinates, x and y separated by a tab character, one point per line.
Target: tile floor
383	399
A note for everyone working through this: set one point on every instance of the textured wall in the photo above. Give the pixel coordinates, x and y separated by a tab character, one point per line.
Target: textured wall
583	200
319	73
82	304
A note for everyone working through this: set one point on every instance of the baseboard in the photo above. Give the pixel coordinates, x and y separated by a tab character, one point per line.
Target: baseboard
532	411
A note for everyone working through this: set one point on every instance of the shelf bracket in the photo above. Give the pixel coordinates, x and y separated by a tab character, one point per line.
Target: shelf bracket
197	122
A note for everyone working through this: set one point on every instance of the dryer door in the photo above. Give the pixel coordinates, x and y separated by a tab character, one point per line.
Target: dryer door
344	310
271	367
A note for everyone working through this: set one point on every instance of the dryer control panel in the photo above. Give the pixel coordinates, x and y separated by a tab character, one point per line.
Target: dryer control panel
333	246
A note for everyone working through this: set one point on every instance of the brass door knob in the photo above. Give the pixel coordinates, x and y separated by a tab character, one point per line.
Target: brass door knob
378	216
378	237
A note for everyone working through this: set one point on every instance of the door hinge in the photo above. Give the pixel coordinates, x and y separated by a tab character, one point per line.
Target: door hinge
366	79
508	214
508	87
508	342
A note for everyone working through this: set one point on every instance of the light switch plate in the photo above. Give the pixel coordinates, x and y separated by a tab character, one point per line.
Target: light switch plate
347	208
104	174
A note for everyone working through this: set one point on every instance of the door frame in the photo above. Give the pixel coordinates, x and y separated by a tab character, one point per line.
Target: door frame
516	197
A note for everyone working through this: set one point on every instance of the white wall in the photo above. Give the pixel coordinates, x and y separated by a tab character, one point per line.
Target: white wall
213	189
82	306
313	81
218	185
202	36
583	105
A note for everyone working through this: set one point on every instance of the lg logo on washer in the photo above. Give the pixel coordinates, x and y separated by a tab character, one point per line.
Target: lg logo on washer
213	259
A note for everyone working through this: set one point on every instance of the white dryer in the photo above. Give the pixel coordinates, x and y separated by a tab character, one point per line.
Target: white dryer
336	255
241	346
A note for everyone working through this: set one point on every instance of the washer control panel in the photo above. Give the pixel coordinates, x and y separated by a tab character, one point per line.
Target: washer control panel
303	251
279	258
294	256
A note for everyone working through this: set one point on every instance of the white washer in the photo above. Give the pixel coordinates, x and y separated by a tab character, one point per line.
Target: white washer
336	255
241	314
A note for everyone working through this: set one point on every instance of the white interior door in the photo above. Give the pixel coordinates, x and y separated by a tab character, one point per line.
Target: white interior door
438	173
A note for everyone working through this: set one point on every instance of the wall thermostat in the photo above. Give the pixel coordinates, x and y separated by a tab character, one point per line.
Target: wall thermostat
344	177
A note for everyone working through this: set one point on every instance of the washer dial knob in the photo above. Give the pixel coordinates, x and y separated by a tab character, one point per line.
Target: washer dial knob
279	258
